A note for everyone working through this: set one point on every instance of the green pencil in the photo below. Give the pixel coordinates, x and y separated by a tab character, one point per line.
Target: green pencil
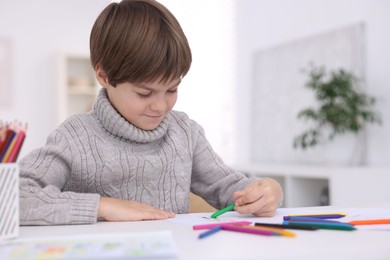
224	210
335	226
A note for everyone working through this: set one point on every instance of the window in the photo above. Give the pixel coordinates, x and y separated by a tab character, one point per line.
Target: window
207	92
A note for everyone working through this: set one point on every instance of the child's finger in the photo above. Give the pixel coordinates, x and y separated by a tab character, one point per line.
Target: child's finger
249	195
237	194
269	213
158	215
249	208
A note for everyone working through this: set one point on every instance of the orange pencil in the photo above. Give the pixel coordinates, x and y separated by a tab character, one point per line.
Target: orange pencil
281	231
370	222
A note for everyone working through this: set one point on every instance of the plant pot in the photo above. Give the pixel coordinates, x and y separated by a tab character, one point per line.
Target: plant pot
344	150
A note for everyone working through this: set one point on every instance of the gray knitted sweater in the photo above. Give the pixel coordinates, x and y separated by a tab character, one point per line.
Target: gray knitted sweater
101	154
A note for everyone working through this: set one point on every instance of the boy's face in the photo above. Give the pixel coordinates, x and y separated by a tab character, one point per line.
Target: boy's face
144	105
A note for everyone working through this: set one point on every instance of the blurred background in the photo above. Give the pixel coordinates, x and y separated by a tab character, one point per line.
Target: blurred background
245	86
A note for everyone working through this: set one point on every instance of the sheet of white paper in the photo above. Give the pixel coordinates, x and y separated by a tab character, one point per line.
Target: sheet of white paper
111	246
203	218
367	214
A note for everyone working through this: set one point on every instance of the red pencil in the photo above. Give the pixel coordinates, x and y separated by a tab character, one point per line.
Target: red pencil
18	145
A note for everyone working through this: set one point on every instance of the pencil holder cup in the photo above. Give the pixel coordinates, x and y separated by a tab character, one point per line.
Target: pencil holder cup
9	200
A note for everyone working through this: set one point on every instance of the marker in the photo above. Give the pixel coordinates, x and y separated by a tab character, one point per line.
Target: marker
222	211
370	222
213	225
323	225
210	232
291	226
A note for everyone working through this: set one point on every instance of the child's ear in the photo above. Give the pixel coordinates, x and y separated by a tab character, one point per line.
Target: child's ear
101	77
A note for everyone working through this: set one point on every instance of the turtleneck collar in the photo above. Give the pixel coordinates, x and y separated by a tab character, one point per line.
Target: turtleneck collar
115	124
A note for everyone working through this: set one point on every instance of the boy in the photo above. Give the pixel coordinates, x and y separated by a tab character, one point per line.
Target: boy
133	157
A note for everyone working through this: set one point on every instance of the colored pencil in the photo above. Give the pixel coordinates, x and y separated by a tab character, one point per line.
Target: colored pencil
18	145
297	227
262	232
210	232
370	222
7	142
222	211
281	231
12	137
213	225
10	148
307	219
323	225
321	215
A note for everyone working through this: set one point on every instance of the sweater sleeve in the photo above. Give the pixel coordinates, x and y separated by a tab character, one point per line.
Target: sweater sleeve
211	178
43	174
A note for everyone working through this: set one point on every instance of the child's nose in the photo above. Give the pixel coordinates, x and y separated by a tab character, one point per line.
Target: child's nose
159	105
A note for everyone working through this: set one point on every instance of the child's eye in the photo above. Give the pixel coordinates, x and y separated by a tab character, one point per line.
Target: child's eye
142	95
172	90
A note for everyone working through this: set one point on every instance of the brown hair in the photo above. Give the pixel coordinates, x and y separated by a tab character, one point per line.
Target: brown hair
139	41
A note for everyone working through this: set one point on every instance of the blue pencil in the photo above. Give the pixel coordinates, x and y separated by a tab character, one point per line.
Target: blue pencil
296	218
210	232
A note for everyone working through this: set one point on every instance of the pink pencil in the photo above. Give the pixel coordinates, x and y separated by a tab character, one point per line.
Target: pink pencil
210	226
18	145
249	230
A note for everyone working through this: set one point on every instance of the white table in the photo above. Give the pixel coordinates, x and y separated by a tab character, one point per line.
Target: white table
320	244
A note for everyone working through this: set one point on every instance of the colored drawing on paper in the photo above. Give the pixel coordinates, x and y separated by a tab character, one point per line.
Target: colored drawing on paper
112	246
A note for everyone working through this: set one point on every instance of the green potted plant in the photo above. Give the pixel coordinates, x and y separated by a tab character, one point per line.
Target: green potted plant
342	108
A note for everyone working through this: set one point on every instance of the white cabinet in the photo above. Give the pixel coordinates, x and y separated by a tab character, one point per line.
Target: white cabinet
77	85
315	185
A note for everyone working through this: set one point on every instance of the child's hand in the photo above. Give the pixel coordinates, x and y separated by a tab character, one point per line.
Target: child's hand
260	198
111	209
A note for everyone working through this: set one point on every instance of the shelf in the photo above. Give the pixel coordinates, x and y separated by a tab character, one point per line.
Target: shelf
77	86
318	186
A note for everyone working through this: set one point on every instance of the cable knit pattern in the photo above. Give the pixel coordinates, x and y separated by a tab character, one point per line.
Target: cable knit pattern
101	154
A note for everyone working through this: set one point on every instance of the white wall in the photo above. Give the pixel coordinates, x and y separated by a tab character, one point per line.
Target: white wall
207	92
38	30
43	27
263	24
